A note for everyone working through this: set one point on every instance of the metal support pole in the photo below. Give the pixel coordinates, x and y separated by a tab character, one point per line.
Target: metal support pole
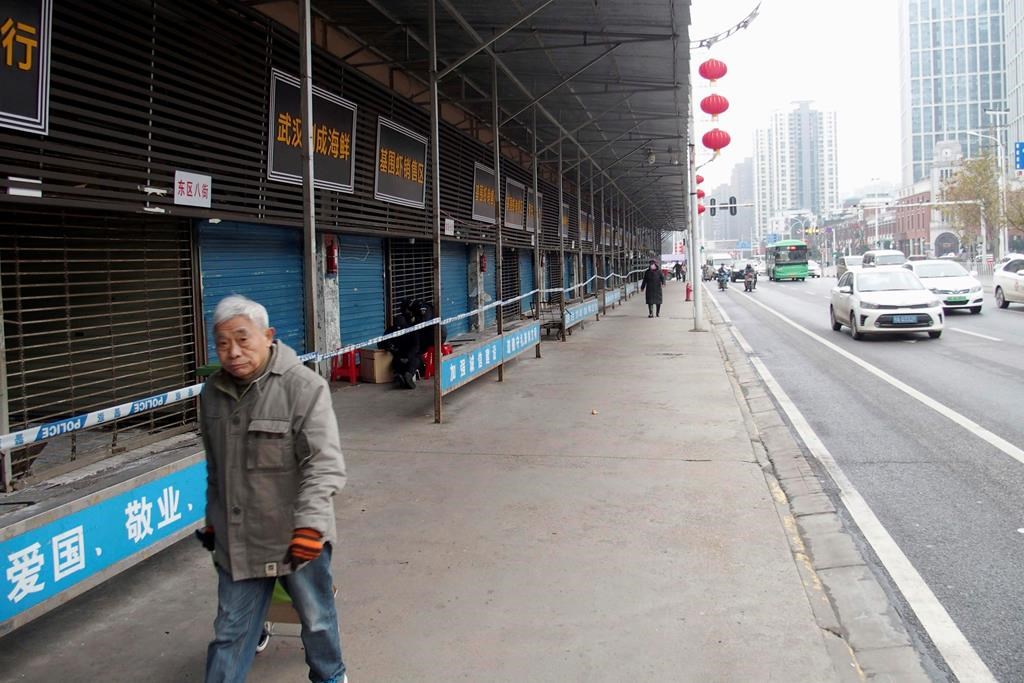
6	474
497	198
593	228
435	201
309	276
694	245
579	217
601	270
537	223
561	234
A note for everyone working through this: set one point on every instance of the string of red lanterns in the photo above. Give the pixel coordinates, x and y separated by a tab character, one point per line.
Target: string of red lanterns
715	139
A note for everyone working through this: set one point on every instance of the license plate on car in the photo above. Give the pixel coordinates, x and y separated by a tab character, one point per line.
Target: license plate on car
957	300
904	319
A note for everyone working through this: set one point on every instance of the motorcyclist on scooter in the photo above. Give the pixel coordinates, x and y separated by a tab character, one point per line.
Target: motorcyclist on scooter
749	278
723	276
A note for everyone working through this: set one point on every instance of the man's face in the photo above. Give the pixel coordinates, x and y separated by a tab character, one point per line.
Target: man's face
242	347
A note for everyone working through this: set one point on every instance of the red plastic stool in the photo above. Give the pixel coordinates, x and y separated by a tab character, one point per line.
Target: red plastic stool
344	367
428	359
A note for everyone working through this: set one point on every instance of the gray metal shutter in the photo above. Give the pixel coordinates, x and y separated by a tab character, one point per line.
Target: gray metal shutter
510	283
97	311
409	272
491	286
261	262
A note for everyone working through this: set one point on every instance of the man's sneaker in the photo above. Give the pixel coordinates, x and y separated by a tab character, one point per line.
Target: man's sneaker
410	380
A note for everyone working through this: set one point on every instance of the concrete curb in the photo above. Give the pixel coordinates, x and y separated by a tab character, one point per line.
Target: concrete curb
862	630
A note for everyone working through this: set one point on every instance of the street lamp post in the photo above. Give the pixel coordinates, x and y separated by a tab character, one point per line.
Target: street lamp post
1002	192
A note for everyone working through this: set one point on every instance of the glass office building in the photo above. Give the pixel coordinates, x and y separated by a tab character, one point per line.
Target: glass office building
953	71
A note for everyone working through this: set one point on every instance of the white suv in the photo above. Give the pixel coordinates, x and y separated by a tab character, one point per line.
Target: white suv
1009	282
883	257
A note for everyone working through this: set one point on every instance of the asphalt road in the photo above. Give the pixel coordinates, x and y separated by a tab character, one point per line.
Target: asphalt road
953	502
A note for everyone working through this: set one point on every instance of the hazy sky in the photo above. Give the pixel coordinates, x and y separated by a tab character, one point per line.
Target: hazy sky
841	54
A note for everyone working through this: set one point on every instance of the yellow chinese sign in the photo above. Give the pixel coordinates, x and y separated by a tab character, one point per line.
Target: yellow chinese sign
25	65
485	199
334	132
401	169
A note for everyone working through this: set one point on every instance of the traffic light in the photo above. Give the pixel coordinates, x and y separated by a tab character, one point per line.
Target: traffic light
732	206
711	209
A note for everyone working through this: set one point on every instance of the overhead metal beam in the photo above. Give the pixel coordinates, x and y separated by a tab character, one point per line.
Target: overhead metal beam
576	46
498	36
609	144
468	28
566	80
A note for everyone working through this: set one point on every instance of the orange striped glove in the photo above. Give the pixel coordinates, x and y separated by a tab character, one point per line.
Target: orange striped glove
306	546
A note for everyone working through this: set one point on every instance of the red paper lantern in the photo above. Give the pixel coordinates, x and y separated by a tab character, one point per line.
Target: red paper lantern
700	208
700	179
700	194
712	70
716	139
714	104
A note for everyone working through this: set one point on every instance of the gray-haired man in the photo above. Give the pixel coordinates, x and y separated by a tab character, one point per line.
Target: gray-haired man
274	463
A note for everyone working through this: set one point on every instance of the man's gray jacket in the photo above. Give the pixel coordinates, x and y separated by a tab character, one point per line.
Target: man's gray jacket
273	463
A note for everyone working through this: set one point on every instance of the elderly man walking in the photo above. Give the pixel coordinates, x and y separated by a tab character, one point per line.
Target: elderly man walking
274	464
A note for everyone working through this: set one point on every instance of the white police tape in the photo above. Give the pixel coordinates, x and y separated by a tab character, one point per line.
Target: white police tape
76	423
73	424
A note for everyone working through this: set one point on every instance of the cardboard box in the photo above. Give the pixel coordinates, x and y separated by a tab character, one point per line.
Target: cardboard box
375	366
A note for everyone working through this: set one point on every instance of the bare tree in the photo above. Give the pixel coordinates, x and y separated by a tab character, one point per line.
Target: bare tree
975	180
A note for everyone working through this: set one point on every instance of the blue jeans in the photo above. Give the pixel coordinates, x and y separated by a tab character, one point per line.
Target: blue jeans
241	611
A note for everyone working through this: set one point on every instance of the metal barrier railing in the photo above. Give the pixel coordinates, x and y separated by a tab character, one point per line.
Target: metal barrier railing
56	428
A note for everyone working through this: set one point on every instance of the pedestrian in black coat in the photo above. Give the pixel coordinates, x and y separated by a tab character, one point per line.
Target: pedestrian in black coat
652	283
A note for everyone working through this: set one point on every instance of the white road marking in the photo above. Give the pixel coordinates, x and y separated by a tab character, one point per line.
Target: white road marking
955	649
950	641
974	334
942	409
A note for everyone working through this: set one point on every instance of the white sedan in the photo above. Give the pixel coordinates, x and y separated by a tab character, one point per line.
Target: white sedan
885	301
813	269
955	286
1009	282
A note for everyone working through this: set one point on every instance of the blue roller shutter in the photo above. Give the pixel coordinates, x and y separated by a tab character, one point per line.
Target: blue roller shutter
261	262
491	286
454	285
360	288
526	283
567	275
588	267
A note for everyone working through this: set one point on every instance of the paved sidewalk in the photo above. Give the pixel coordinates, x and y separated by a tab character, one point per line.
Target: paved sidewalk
599	516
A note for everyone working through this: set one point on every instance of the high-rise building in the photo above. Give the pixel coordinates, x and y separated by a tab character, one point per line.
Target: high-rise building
795	166
952	72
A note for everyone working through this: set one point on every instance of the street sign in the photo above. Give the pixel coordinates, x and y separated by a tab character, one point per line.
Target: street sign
743	245
771	238
1018	154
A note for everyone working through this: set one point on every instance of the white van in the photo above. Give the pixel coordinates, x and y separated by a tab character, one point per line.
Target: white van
883	257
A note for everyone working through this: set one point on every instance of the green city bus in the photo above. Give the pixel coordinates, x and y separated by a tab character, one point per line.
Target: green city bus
787	260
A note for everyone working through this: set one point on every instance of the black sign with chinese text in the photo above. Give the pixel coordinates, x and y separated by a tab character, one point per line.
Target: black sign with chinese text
401	175
515	204
25	65
334	135
485	203
532	209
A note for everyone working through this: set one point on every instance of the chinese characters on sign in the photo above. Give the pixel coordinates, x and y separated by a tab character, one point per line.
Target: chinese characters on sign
25	65
460	368
400	176
532	207
192	189
484	200
44	562
334	135
515	203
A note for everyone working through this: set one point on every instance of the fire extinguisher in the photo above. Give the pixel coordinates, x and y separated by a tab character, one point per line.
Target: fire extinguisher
331	255
483	263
